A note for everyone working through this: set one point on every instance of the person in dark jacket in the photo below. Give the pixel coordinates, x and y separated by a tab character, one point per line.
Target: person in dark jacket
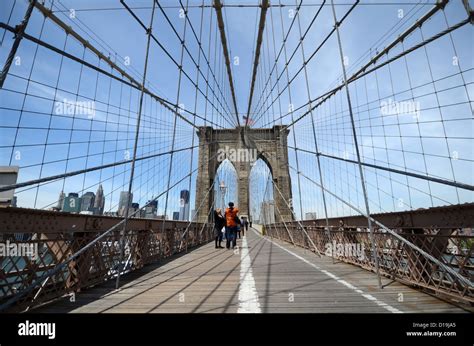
239	228
242	226
219	223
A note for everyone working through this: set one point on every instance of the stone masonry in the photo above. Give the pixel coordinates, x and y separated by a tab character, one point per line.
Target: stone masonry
271	145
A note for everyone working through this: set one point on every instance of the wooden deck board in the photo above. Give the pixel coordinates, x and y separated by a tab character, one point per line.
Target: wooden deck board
208	280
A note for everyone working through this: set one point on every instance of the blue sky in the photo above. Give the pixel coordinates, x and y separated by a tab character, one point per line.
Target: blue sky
437	143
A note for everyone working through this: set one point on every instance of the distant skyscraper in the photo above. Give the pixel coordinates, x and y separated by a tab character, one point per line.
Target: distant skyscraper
124	200
176	215
62	195
184	205
310	216
149	211
267	212
87	203
134	210
8	176
99	201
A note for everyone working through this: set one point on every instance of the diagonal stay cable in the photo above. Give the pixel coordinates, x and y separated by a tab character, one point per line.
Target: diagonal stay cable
47	13
61	265
361	73
135	145
182	40
278	210
393	170
299	223
18	37
176	63
195	213
86	170
201	50
167	104
396	235
275	64
291	209
308	60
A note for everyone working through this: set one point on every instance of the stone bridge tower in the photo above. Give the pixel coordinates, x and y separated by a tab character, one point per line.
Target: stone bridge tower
271	147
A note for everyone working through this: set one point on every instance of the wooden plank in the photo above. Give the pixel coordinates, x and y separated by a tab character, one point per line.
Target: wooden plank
207	280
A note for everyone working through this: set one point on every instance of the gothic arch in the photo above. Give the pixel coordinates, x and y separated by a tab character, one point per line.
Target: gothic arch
231	192
271	146
261	195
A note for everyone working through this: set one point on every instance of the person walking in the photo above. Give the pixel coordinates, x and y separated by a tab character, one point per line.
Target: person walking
246	224
242	226
239	227
232	221
219	223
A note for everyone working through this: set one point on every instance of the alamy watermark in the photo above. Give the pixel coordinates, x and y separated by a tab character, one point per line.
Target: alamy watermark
70	107
391	107
237	155
28	328
345	250
8	249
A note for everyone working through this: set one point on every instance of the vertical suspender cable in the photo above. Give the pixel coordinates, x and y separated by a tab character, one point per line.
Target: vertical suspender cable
137	132
356	144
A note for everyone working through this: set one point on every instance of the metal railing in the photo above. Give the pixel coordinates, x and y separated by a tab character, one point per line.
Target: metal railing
37	242
452	248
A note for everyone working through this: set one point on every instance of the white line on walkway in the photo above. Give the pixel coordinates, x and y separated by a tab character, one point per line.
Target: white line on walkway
248	297
332	276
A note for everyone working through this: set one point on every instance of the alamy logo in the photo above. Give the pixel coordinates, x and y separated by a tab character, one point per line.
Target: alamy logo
70	107
345	250
8	249
37	329
237	155
391	107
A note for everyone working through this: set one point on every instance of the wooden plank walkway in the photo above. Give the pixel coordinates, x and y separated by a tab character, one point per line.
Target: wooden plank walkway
276	277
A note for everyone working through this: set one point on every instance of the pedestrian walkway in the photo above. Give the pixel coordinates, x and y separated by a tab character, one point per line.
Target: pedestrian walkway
262	275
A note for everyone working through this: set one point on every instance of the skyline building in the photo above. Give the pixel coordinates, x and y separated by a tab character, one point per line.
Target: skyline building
267	212
184	205
8	176
176	215
149	212
87	201
133	209
62	195
99	201
125	198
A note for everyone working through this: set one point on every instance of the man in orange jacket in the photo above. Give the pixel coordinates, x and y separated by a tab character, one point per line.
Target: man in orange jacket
231	219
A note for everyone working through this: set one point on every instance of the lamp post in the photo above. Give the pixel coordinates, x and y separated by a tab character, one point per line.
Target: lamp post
223	190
